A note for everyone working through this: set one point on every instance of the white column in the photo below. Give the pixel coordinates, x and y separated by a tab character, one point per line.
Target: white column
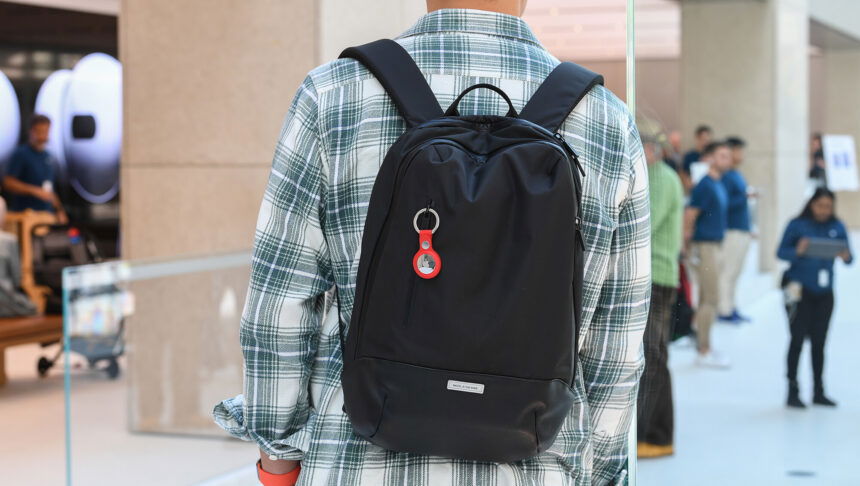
348	22
745	72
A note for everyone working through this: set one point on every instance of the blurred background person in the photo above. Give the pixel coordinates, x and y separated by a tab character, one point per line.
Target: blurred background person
29	180
813	276
704	136
738	233
705	224
817	166
672	150
655	410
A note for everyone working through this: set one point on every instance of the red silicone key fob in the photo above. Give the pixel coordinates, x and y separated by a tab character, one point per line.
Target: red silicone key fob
426	261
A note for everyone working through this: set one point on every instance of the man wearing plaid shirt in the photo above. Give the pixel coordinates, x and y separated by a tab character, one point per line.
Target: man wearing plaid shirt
337	131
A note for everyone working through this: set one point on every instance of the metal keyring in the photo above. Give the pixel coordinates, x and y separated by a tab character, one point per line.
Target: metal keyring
422	211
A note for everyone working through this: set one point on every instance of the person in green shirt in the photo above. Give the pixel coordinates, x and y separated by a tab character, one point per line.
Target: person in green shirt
655	410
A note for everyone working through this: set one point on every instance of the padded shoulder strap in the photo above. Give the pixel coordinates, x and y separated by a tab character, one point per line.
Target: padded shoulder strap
559	94
399	75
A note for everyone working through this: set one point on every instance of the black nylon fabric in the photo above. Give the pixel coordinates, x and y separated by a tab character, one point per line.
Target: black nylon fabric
496	190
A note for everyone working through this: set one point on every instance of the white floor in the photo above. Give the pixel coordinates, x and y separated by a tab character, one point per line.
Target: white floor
732	428
32	447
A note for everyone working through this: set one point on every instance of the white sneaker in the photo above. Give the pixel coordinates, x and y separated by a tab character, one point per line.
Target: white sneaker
712	359
685	342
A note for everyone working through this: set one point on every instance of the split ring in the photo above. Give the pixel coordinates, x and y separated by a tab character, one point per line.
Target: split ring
422	211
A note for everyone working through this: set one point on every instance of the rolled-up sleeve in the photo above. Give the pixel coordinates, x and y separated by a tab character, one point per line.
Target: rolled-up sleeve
290	273
611	354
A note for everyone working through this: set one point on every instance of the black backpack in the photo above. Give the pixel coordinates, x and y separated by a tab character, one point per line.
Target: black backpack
55	247
462	339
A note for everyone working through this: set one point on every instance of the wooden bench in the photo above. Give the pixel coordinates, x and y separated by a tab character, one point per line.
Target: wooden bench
21	224
27	330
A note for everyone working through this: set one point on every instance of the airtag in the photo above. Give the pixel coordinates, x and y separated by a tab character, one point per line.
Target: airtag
426	264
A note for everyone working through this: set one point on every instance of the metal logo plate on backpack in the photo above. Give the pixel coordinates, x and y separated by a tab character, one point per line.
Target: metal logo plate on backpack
465	386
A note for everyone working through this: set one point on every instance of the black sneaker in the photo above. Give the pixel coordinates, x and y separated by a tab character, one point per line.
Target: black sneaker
794	402
820	399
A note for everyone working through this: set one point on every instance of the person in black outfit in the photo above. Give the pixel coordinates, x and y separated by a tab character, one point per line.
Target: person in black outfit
811	279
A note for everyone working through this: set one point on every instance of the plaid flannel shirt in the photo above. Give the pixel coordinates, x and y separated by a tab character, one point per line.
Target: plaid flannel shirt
308	238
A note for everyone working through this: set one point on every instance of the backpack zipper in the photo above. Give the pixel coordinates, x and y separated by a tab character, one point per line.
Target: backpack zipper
412	282
579	188
570	151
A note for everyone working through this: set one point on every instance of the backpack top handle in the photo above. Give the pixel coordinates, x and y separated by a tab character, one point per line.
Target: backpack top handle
452	110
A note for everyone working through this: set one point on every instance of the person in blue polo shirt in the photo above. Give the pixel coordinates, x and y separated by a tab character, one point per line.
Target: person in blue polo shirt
705	223
29	179
814	277
738	235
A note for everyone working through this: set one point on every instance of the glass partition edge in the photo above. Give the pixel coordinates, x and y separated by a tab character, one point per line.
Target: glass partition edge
631	105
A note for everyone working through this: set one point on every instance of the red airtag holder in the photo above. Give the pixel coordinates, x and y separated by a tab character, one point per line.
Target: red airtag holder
426	261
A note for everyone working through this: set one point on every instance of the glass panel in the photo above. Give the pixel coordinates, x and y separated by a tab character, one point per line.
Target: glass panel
657	83
592	33
630	61
597	34
152	400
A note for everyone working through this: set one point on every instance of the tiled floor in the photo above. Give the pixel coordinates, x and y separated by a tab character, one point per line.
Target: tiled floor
732	427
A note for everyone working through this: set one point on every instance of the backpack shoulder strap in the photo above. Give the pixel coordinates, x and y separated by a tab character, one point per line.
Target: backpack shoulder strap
395	69
559	94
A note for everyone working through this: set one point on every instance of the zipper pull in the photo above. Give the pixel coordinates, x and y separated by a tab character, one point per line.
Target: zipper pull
570	151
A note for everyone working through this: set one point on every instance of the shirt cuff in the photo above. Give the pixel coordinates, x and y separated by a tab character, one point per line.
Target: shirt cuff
229	414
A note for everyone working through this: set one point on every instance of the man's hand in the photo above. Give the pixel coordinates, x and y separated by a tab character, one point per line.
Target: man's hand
845	256
802	246
276	466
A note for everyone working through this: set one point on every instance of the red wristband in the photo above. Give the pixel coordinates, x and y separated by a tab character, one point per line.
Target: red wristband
286	479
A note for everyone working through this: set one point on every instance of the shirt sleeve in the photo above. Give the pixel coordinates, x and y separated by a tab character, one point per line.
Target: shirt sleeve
737	193
667	204
788	246
701	198
675	219
611	353
290	273
843	233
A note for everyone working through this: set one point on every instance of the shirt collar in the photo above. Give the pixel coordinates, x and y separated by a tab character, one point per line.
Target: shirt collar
33	149
473	21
